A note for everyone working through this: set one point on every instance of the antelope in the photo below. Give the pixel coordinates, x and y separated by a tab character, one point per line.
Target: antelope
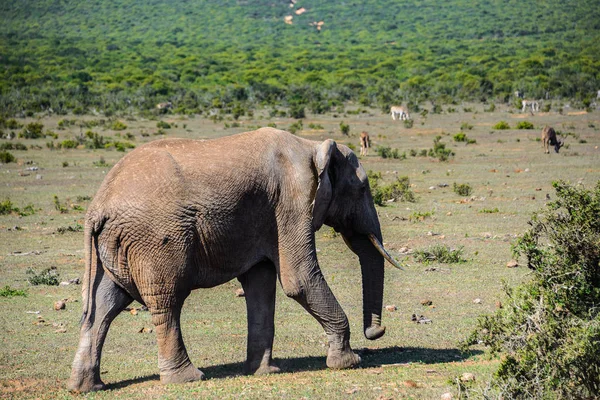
399	112
533	104
365	143
549	138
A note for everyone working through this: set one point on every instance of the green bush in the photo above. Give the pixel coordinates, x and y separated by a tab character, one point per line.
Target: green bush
7	291
388	152
463	189
460	137
163	125
525	125
6	157
13	146
439	253
501	125
118	126
408	123
33	130
396	191
465	126
297	111
345	128
296	127
439	150
68	144
49	277
549	329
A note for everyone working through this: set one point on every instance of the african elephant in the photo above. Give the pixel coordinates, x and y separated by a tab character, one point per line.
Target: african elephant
176	215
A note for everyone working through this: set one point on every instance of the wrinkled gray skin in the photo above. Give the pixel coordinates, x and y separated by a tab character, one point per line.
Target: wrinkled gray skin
176	215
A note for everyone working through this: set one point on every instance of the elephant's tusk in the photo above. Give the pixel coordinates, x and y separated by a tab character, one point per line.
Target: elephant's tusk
383	252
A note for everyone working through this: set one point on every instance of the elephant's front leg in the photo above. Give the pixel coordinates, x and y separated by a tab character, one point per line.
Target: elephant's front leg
259	288
316	297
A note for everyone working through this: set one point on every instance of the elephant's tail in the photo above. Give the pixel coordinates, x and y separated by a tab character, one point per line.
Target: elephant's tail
93	271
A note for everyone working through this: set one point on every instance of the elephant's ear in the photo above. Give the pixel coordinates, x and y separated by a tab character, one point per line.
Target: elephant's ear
324	190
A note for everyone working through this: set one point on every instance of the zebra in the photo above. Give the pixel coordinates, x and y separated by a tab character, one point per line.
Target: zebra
399	112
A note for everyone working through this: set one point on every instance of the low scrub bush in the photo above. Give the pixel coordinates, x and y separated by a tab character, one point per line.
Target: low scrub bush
388	152
439	150
549	329
49	277
396	191
501	125
420	216
163	125
525	125
7	291
345	128
118	126
439	253
13	146
463	189
33	130
296	127
408	123
6	157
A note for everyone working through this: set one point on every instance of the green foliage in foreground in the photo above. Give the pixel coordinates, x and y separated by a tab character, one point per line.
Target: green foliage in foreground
462	189
396	191
205	55
6	157
7	291
549	329
7	207
49	277
439	253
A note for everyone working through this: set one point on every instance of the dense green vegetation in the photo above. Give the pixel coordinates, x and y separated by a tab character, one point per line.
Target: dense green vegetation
126	54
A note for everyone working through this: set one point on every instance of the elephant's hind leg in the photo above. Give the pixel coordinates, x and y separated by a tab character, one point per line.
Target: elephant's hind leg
259	288
173	361
105	301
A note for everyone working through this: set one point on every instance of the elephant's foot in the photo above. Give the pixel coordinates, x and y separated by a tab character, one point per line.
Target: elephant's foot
262	369
187	373
82	383
340	355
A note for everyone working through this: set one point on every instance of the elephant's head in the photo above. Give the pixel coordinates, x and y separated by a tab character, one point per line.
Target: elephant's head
343	201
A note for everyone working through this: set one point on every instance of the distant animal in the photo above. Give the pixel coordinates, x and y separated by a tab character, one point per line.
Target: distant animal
365	143
518	94
399	112
549	138
164	106
532	104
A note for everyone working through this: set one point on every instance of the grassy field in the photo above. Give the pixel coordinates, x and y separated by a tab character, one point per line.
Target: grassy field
507	169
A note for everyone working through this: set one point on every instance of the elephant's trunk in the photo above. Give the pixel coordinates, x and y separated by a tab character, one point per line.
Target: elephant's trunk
371	262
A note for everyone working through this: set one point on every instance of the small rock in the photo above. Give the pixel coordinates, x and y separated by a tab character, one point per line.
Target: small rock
74	281
145	330
133	311
449	213
432	187
538	189
487	235
512	264
59	305
426	302
498	304
447	396
64	283
420	319
410	383
526	169
38	177
477	301
467	377
61	330
240	293
391	307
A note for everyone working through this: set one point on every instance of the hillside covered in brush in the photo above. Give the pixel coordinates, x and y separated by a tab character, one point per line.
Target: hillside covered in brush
72	55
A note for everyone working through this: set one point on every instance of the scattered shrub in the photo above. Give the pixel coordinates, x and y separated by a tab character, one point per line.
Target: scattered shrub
68	144
296	127
6	157
58	206
463	189
345	128
6	207
525	125
501	125
549	330
439	253
315	126
7	291
396	191
13	146
439	150
76	228
489	210
388	152
49	277
466	126
420	216
297	111
13	124
460	137
163	125
118	126
33	130
408	123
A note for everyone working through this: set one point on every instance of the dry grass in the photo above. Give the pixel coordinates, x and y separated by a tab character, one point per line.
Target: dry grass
507	170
